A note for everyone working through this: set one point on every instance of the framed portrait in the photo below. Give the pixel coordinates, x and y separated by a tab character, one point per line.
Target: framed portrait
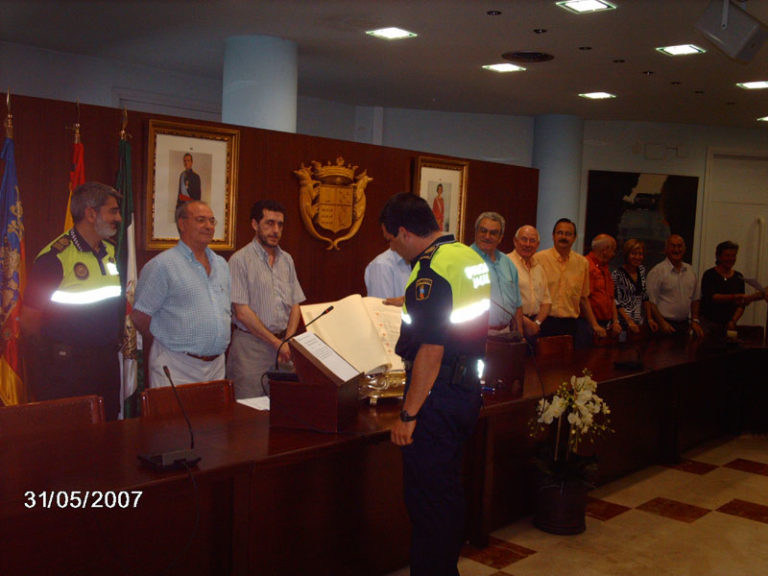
443	184
190	162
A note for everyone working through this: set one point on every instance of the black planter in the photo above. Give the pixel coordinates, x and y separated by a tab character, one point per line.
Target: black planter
561	508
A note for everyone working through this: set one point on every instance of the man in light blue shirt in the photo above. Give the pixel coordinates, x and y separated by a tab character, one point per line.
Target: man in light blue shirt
506	305
183	301
387	275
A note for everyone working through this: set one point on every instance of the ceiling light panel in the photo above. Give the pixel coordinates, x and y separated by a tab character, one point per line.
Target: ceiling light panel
761	85
598	95
506	67
391	33
681	50
586	6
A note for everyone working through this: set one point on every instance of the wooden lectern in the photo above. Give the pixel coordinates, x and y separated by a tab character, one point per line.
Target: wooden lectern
320	400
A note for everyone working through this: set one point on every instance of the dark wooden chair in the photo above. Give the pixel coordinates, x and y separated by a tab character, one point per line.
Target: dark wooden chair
49	415
198	397
548	346
505	366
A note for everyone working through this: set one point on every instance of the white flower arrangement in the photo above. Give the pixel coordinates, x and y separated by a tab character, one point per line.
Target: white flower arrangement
585	412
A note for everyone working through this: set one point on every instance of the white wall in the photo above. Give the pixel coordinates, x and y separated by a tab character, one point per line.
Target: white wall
70	77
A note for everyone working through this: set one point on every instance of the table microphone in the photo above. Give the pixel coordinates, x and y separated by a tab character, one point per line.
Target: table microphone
175	459
277	374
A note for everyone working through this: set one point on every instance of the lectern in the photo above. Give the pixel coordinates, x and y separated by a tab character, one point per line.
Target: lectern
325	397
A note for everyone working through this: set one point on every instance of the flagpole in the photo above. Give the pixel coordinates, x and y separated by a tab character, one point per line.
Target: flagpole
9	117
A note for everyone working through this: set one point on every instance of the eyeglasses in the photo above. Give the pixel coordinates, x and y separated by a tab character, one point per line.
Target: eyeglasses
491	233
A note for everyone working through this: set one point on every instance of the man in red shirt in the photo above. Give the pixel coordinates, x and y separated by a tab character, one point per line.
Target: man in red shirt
601	289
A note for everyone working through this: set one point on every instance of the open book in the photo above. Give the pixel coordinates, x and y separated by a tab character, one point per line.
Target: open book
363	331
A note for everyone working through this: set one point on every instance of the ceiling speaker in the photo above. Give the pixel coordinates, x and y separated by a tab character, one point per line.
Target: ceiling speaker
742	36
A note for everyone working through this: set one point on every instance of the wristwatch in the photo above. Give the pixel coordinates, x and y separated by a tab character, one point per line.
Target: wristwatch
537	321
405	417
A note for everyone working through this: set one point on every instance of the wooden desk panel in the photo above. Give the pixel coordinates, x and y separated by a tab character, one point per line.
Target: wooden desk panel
280	501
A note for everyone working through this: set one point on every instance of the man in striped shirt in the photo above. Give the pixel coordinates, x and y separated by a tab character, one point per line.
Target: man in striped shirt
265	300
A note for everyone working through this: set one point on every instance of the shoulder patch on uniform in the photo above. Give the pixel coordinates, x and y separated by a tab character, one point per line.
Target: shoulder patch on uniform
423	288
61	243
429	252
81	270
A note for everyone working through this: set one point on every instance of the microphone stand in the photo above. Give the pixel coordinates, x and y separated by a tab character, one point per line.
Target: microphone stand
277	374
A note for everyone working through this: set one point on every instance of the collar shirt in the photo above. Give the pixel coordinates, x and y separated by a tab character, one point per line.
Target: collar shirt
190	309
270	291
601	289
505	292
387	275
532	283
567	279
673	290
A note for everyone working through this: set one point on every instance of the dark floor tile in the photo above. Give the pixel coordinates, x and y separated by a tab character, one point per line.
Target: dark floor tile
674	509
497	554
748	466
694	467
744	509
603	510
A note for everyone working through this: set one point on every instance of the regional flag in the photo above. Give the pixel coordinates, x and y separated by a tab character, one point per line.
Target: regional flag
131	346
76	175
12	279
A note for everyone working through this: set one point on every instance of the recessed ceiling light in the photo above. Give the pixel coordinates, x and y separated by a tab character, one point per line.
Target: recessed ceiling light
753	85
597	95
391	33
494	13
681	50
585	6
503	67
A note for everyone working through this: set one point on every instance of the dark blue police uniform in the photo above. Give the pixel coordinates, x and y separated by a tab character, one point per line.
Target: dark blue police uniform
446	303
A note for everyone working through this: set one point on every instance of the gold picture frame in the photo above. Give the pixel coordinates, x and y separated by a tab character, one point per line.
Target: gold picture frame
213	159
443	184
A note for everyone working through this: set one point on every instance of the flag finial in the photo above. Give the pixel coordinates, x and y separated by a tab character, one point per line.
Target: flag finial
8	117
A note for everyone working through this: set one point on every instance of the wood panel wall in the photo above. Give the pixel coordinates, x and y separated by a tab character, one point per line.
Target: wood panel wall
43	136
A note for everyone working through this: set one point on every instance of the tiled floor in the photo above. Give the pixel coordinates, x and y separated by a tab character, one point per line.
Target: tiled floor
707	516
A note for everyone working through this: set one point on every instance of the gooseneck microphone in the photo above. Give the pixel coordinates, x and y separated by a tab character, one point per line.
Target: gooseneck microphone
277	374
175	459
282	343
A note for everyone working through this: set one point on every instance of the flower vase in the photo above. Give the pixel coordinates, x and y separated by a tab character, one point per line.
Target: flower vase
561	508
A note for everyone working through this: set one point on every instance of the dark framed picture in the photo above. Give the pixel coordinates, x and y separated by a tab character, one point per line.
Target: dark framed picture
443	184
190	162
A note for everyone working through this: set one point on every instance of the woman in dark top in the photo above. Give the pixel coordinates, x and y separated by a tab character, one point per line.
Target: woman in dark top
722	291
631	292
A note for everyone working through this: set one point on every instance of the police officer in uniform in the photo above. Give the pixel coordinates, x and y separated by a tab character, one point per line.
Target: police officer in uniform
72	307
443	333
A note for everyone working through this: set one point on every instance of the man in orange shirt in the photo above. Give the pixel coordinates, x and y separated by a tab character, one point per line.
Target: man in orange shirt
568	280
601	289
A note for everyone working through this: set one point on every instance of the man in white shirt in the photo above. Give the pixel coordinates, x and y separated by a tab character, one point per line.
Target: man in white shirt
386	276
673	289
534	291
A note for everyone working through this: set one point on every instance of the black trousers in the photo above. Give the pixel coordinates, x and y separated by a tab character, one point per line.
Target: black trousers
432	477
62	370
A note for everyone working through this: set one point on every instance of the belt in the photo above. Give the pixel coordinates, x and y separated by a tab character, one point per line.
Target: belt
203	358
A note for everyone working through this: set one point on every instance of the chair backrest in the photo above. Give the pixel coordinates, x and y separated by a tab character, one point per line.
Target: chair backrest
505	366
58	414
551	345
158	403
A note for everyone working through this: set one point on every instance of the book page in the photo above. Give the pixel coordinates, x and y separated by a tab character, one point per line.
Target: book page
348	329
386	319
327	356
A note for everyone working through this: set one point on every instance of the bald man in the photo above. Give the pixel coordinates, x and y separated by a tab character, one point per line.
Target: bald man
534	291
673	289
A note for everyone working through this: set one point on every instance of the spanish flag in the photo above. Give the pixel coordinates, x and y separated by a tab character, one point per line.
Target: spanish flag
12	278
76	174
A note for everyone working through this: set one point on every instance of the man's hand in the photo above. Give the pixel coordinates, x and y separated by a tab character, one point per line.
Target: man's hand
652	324
600	331
666	327
395	301
402	433
697	330
615	328
530	328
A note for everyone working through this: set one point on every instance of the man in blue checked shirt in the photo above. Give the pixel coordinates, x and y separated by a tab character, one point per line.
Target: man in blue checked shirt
183	301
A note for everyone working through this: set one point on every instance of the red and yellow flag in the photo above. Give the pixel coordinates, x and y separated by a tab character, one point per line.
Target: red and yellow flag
76	174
